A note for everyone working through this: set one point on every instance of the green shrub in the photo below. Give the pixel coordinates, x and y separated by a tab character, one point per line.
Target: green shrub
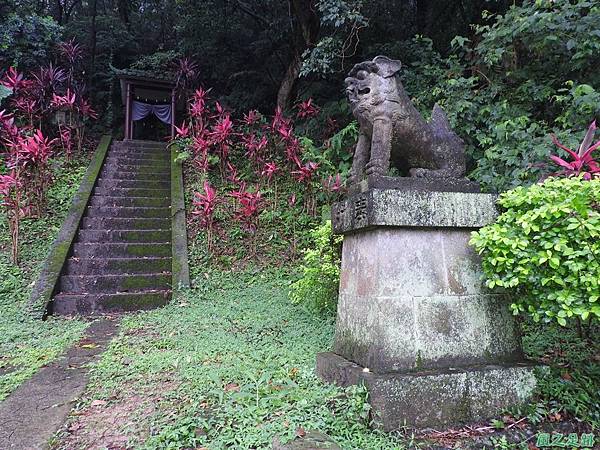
545	247
318	286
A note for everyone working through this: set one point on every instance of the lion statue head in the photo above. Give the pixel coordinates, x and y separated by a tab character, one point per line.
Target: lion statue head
371	83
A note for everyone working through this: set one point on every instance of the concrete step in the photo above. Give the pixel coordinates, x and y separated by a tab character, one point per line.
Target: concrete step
138	184
140	148
136	176
91	284
124	236
128	212
145	155
141	143
141	162
132	192
71	304
119	223
122	250
138	202
108	266
163	170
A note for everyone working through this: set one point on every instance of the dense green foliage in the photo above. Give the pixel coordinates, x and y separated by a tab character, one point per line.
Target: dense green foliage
527	74
27	41
319	279
26	344
545	247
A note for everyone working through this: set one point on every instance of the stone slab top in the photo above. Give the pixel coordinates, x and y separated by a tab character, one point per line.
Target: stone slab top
413	208
415	184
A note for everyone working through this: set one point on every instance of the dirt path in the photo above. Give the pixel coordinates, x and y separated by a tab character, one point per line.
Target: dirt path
36	410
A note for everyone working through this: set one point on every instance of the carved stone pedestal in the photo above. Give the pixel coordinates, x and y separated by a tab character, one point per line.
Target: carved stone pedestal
415	322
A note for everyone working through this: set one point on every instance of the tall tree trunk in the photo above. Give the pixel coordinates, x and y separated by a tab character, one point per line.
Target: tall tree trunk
289	80
306	33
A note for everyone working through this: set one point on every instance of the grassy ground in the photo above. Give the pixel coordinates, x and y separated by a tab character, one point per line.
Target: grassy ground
229	364
26	344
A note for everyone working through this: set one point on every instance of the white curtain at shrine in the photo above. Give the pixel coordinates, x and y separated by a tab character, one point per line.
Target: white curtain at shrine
140	110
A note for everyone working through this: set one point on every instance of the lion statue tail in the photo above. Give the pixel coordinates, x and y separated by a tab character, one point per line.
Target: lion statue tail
441	127
439	120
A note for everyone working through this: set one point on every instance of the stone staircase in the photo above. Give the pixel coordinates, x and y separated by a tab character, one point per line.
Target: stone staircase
122	256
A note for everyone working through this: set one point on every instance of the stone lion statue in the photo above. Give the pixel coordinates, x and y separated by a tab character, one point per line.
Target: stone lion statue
391	128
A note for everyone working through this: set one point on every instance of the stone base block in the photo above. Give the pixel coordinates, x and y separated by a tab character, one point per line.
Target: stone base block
434	398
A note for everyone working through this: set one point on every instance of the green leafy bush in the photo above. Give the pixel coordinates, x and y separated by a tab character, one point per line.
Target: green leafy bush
545	247
318	286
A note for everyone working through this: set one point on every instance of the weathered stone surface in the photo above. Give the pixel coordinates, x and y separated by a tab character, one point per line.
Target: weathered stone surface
108	266
434	398
119	250
136	184
93	284
413	298
312	440
413	208
415	322
391	128
414	184
91	304
180	269
124	223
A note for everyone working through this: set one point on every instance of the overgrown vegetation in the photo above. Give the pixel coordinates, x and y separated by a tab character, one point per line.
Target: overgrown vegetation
32	132
545	249
232	362
27	344
319	279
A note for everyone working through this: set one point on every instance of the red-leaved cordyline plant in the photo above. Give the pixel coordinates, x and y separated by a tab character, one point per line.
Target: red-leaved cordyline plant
268	171
307	109
232	174
10	201
12	80
66	140
220	136
30	156
334	185
205	205
252	118
254	147
582	162
186	74
182	132
249	207
305	174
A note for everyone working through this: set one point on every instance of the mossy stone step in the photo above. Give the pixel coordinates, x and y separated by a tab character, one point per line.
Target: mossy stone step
119	223
165	170
124	236
140	149
128	212
137	162
115	266
119	201
140	155
90	304
92	284
137	184
135	176
122	250
132	192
